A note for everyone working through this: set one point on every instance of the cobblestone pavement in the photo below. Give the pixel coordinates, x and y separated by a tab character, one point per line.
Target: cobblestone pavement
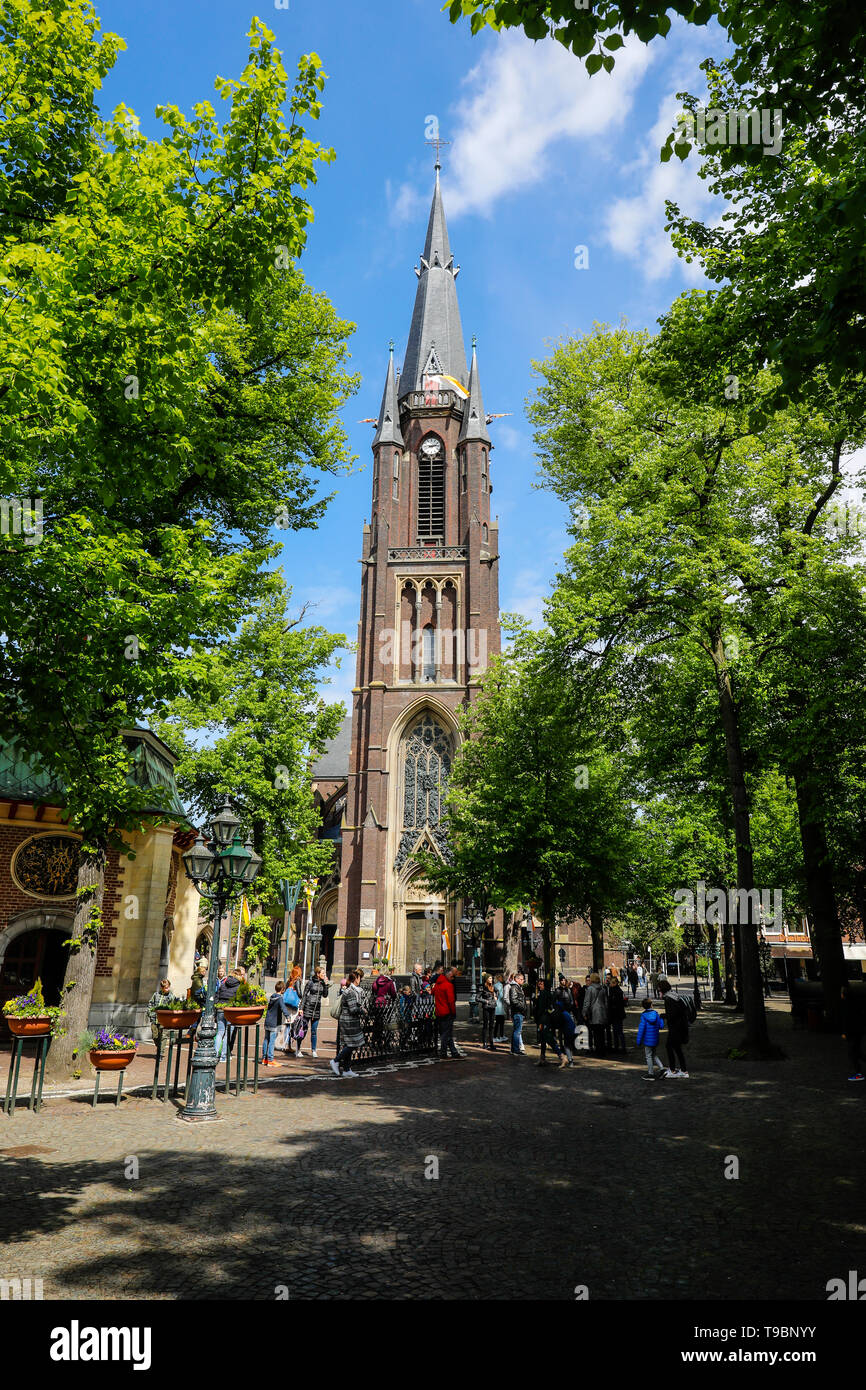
547	1180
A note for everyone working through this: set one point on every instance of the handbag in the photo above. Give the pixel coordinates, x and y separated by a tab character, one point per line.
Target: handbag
336	1006
298	1029
291	999
392	1022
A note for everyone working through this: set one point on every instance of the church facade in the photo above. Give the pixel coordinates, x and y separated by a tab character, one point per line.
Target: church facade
429	624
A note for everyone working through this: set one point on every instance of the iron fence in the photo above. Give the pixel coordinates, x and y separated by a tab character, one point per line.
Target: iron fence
392	1035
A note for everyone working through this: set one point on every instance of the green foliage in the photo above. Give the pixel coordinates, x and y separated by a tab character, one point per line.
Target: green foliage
158	332
179	1005
251	732
245	996
30	1005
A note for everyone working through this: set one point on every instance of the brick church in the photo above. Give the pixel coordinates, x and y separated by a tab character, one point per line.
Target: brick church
429	623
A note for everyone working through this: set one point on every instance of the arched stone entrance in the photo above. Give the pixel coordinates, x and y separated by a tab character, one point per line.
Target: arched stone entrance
32	948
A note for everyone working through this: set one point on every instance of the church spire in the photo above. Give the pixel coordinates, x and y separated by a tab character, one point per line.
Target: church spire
388	427
474	425
435	346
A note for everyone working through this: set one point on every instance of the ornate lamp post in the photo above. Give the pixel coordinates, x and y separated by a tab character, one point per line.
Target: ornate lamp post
691	936
467	933
478	925
309	893
765	951
221	868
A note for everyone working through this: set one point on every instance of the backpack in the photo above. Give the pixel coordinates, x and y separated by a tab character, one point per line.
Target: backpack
687	1000
291	1000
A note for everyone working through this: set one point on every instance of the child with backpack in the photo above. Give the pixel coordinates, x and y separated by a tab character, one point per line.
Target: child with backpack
651	1024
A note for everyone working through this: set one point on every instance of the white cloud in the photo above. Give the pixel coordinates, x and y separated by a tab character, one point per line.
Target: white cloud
521	98
635	226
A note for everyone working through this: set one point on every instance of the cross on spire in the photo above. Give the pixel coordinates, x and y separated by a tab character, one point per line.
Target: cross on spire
438	143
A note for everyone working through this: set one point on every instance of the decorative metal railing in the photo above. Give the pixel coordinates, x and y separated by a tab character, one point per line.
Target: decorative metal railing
391	1036
429	552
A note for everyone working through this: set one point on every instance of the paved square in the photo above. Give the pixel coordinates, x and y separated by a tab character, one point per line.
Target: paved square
547	1180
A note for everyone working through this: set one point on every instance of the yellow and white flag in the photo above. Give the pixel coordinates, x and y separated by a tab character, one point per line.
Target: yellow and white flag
245	911
446	944
458	387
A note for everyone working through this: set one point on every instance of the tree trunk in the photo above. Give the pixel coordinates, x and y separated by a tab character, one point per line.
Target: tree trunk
752	986
728	948
547	926
596	931
512	944
826	930
81	966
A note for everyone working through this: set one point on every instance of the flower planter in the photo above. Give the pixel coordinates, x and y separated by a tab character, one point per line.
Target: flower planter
28	1027
112	1059
243	1016
177	1018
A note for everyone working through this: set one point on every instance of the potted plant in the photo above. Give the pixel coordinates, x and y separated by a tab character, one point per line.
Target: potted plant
178	1013
246	1005
28	1016
109	1051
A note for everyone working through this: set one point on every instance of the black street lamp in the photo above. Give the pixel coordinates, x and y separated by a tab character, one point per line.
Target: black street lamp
692	936
765	951
467	932
221	868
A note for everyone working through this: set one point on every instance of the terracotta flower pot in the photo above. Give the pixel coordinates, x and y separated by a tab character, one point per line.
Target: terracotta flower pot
111	1059
177	1018
242	1017
28	1027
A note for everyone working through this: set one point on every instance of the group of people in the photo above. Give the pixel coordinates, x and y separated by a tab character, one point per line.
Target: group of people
571	1016
293	1013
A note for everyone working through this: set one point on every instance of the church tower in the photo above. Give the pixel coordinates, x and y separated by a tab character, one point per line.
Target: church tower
429	622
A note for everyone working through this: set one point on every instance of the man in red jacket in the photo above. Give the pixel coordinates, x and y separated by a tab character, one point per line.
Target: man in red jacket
445	1003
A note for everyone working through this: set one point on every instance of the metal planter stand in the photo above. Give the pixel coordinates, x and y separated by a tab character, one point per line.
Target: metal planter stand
35	1102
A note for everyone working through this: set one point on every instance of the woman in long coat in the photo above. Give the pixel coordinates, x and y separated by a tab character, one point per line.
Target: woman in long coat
595	1012
351	1027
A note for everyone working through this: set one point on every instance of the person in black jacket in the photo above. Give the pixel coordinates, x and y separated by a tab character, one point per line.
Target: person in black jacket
226	992
616	1014
677	1021
517	1005
311	1007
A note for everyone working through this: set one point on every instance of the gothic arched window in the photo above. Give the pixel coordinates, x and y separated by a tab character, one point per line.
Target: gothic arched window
427	753
431	491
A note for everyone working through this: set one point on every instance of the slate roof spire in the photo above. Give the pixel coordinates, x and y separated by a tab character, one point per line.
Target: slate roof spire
435	344
388	427
474	425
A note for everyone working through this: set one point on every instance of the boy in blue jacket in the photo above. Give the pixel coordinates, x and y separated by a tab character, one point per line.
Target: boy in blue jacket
650	1026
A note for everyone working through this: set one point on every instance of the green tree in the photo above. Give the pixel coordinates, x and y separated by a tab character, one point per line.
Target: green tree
167	384
535	810
251	732
681	513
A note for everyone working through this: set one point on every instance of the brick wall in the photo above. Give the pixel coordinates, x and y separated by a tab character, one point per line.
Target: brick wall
14	902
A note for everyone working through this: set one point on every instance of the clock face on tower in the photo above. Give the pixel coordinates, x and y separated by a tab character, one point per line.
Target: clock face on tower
431	447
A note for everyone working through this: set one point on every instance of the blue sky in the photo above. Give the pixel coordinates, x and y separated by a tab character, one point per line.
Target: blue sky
543	159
